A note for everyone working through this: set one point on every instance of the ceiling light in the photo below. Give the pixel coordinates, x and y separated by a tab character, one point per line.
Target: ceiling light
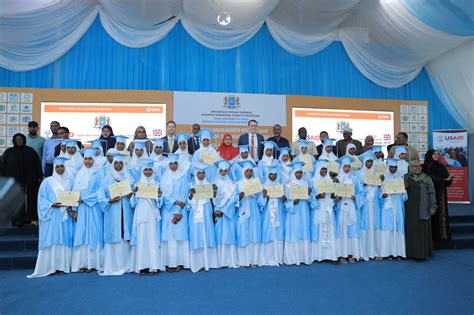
223	18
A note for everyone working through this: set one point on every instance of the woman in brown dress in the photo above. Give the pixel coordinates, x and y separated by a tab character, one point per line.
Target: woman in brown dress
419	208
441	179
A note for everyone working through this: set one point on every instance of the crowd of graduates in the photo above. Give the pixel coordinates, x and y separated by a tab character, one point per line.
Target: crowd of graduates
242	224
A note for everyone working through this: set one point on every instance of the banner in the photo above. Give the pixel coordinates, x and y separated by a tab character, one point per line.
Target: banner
378	124
453	146
228	112
85	120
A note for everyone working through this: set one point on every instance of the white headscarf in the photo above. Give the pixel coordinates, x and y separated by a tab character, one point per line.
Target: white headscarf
61	182
348	147
133	164
184	157
327	156
83	176
169	179
75	160
226	188
122	175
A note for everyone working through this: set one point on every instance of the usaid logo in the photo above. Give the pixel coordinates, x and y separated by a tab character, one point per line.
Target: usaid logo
453	138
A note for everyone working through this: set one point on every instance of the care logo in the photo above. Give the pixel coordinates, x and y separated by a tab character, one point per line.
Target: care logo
231	102
101	121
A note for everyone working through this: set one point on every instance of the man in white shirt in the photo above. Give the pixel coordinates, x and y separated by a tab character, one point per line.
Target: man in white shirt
253	140
295	147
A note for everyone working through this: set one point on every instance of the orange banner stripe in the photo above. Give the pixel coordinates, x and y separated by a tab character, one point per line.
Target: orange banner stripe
149	109
346	115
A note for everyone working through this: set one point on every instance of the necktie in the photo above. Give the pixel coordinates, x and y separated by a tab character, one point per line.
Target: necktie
252	146
170	144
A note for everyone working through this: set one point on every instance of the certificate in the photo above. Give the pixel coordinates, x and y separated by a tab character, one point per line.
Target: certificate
394	187
298	192
357	164
344	190
333	167
324	186
308	164
203	191
274	191
251	187
147	191
208	157
372	179
380	169
120	189
68	198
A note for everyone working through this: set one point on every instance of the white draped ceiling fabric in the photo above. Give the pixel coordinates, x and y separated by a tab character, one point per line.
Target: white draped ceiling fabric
384	40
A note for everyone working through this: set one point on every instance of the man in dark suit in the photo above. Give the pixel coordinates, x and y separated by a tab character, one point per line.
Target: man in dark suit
280	141
193	142
323	135
253	140
168	140
63	133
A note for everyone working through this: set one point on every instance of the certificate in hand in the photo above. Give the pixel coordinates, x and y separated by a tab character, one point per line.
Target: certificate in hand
333	167
68	198
208	157
380	169
203	191
308	165
394	187
299	192
324	186
274	191
120	189
344	190
357	164
372	179
147	191
251	187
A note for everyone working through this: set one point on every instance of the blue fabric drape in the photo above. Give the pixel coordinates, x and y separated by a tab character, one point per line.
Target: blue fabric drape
180	63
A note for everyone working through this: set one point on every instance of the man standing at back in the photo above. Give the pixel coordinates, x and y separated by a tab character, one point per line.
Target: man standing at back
303	135
279	140
342	144
169	144
402	139
253	140
49	146
193	142
323	135
34	140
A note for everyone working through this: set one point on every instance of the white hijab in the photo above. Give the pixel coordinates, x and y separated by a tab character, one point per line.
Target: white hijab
226	188
84	175
170	178
327	156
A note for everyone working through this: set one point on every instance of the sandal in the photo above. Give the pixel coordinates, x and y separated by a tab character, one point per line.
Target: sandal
352	260
343	261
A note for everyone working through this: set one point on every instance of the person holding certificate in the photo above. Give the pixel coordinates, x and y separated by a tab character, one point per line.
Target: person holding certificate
285	161
297	223
225	203
161	161
307	159
323	218
74	156
55	224
272	202
206	153
118	216
87	254
268	159
327	152
184	157
202	236
350	199
249	222
392	229
370	214
401	155
174	217
351	151
139	152
146	228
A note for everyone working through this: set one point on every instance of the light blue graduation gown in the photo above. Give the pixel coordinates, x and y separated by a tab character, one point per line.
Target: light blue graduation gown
315	211
249	230
225	226
114	213
270	233
261	169
196	240
180	192
398	202
211	170
55	224
155	204
354	229
90	218
371	195
297	223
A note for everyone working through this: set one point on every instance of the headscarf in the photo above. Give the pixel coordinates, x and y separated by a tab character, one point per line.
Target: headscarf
367	147
327	156
83	176
170	178
110	140
421	178
122	175
133	164
226	189
350	146
62	182
75	160
434	168
227	152
184	157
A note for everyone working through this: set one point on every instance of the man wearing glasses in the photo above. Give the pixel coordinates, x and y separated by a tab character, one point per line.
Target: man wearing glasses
63	133
253	140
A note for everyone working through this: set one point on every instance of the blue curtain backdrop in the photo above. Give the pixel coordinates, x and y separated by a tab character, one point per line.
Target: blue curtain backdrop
179	63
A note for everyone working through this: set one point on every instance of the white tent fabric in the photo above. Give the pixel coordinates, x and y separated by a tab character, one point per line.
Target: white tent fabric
454	71
386	42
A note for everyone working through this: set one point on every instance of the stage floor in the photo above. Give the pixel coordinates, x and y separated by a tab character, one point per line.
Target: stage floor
443	285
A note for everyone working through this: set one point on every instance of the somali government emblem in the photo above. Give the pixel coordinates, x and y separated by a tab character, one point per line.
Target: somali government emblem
341	125
231	102
101	121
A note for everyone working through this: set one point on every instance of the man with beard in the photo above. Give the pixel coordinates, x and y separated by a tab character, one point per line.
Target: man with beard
295	146
49	146
280	141
23	164
34	140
